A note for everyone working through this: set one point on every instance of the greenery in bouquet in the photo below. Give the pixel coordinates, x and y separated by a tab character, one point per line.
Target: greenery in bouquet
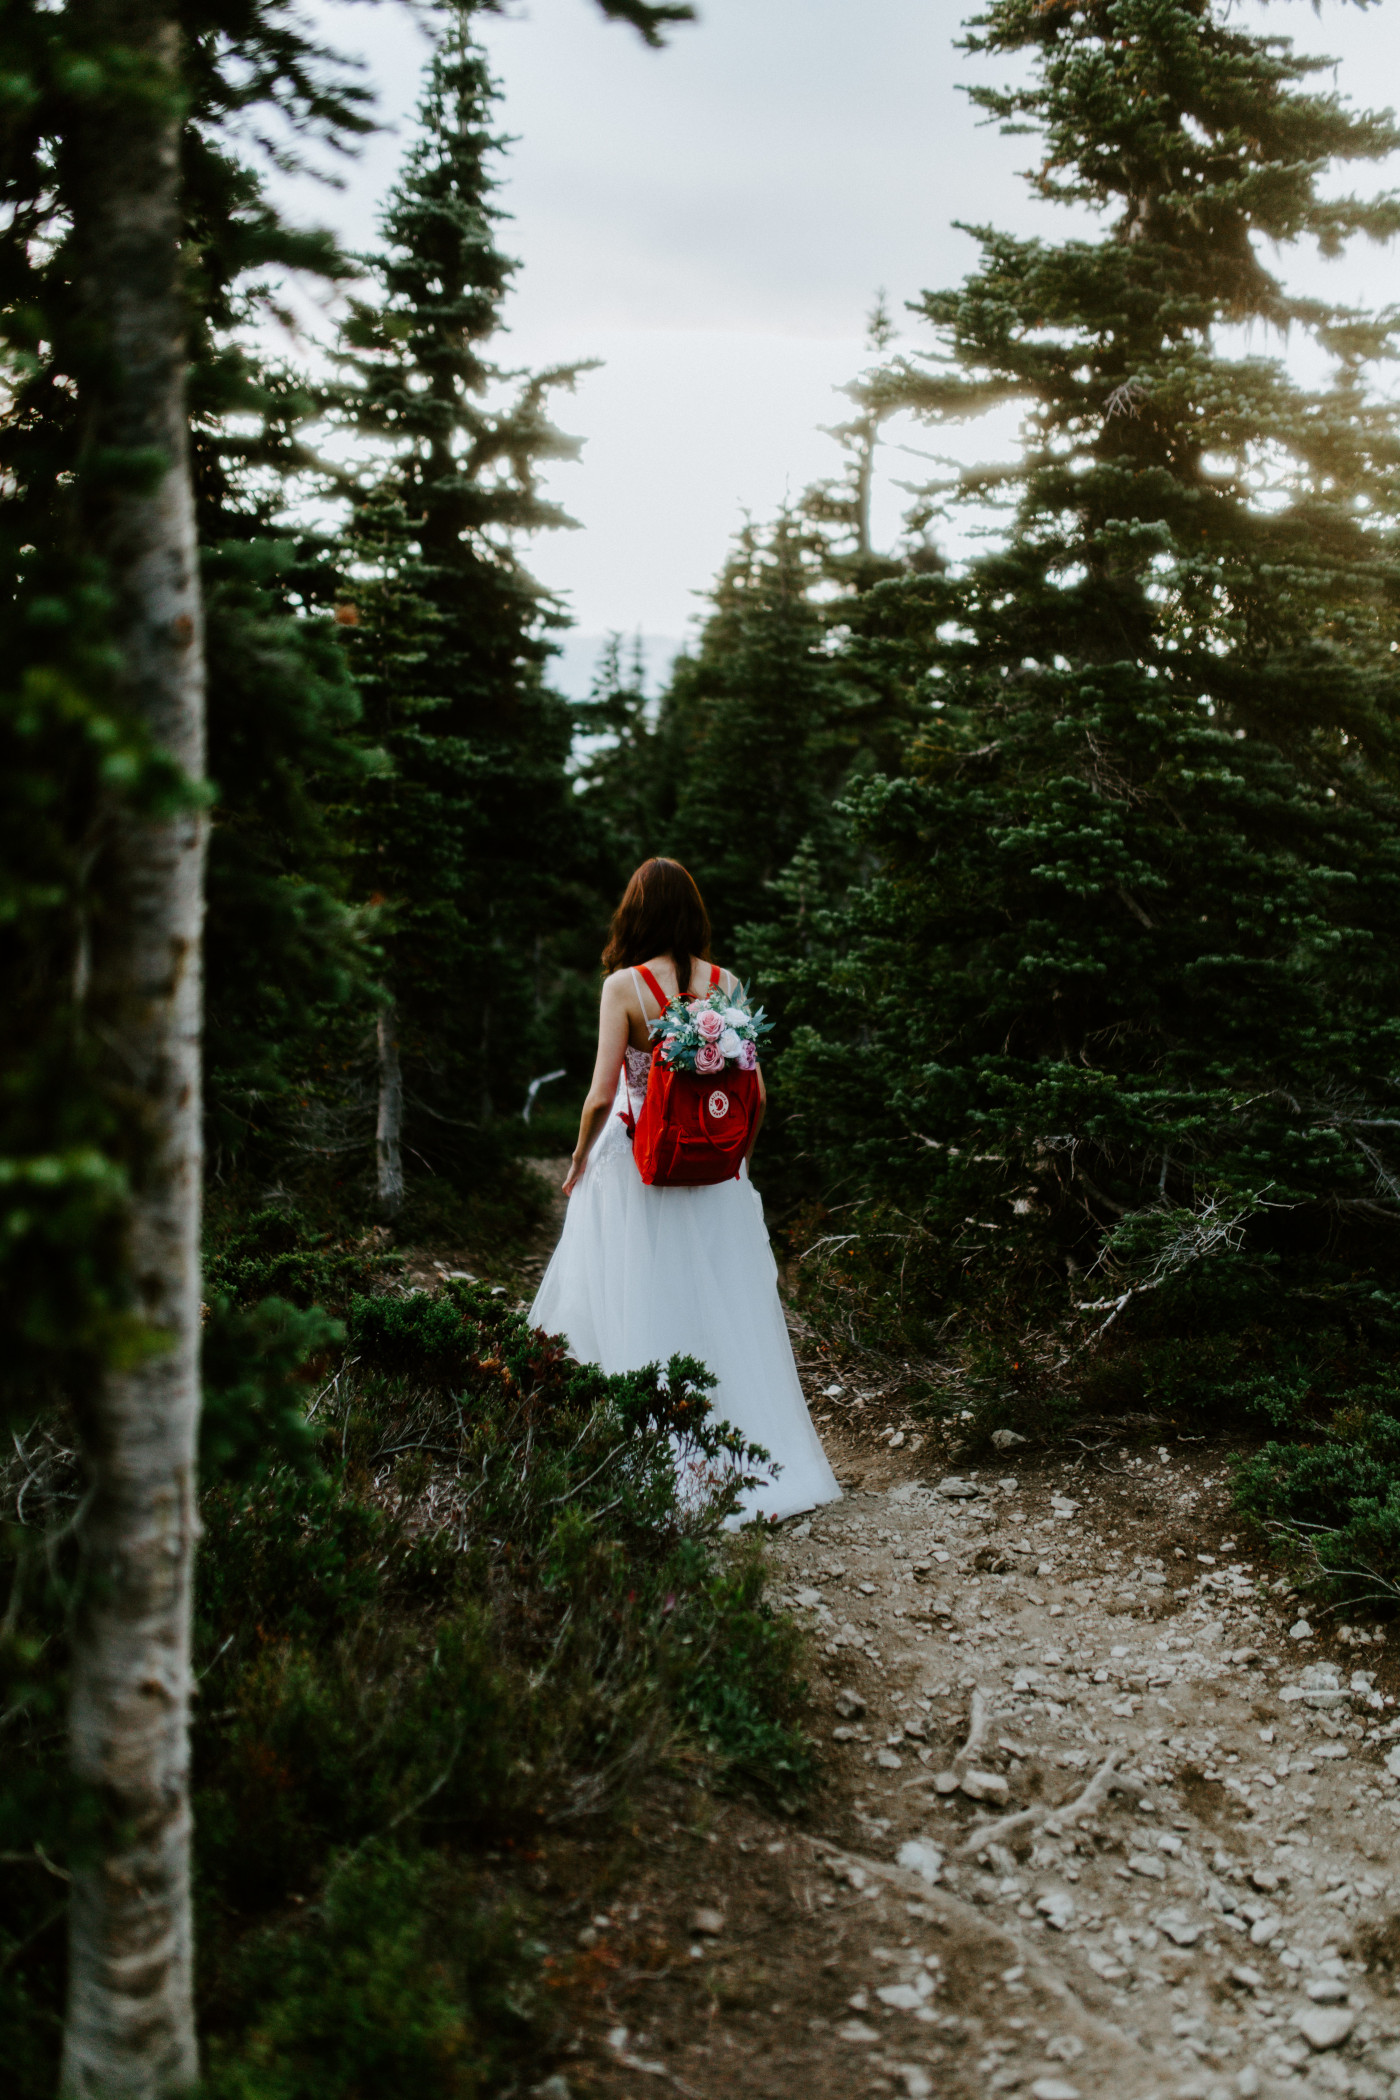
705	1035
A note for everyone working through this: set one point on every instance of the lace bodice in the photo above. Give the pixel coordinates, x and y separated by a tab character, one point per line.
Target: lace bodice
636	1064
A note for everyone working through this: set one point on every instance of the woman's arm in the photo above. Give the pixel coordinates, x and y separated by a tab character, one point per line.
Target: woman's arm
612	1041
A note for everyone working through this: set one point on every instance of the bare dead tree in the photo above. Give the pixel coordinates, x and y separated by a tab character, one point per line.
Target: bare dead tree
388	1136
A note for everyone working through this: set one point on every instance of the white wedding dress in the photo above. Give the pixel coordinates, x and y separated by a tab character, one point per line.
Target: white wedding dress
642	1274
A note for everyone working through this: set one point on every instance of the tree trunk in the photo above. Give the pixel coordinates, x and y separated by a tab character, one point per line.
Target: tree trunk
130	2021
389	1130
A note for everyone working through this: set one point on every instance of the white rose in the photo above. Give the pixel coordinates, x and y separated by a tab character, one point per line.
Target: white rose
729	1044
734	1017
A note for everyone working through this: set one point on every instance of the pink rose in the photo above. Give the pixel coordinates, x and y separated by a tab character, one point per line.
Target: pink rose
711	1026
748	1057
709	1057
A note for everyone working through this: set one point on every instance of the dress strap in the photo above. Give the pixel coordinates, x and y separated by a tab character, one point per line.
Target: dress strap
714	976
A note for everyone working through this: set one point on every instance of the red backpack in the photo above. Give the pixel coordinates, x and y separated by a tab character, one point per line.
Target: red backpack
692	1130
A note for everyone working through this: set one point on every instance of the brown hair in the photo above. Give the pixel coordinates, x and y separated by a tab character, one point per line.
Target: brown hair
661	913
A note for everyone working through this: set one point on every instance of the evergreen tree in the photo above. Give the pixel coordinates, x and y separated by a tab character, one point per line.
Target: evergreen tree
755	721
467	838
627	788
1122	992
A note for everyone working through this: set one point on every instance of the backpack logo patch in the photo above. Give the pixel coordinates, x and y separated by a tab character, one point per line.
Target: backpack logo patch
718	1105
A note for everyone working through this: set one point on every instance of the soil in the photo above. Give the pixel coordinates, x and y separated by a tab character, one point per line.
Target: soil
1222	1917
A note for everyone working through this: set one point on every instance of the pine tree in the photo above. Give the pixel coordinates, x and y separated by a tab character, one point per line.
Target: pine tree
842	508
1126	976
627	765
754	718
468	837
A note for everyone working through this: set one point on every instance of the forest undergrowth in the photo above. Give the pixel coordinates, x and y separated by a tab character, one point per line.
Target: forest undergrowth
455	1615
1289	1351
453	1609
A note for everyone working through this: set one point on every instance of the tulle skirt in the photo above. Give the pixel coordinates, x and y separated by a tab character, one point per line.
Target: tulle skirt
642	1274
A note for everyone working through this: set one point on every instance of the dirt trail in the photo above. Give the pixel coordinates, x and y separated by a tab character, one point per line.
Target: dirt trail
1218	1918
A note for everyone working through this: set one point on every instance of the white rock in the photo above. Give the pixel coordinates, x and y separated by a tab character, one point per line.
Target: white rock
809	1599
1265	1930
921	1857
1330	1750
1054	2089
889	1760
1066	2048
849	1704
856	2031
1325	2026
984	1786
707	1921
1248	2083
1180	1931
1144	1863
1264	1878
1327	1990
902	1997
859	2001
915	2080
1057	1909
957	1489
1006	1439
1392	1762
1300	1631
1249	1979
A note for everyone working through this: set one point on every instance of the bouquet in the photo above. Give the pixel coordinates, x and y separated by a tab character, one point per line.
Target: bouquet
705	1035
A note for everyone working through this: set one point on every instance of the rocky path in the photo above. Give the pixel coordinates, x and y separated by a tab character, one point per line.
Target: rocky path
1104	1817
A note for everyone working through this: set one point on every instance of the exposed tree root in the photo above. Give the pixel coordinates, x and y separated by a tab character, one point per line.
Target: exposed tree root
1085	1804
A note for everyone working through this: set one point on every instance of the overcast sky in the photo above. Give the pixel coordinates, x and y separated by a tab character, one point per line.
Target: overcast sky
713	220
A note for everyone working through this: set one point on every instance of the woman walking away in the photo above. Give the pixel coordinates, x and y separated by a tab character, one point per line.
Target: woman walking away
664	1251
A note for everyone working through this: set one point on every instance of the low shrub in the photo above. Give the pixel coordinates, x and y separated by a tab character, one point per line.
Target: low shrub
1333	1506
476	1594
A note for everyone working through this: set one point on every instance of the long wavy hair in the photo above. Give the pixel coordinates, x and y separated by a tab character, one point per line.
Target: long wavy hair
661	913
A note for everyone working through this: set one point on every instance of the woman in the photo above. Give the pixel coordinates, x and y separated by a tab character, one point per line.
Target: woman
644	1273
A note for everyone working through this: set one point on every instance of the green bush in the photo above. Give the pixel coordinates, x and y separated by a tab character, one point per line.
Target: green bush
1333	1506
466	1599
403	1980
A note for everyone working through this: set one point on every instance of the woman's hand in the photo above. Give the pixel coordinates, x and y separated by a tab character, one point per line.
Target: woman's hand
574	1175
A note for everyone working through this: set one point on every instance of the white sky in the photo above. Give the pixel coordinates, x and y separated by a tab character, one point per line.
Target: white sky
713	221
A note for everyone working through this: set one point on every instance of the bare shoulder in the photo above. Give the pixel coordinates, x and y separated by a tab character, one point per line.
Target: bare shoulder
617	989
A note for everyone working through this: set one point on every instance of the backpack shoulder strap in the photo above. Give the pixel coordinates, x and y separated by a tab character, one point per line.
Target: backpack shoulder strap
662	1002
